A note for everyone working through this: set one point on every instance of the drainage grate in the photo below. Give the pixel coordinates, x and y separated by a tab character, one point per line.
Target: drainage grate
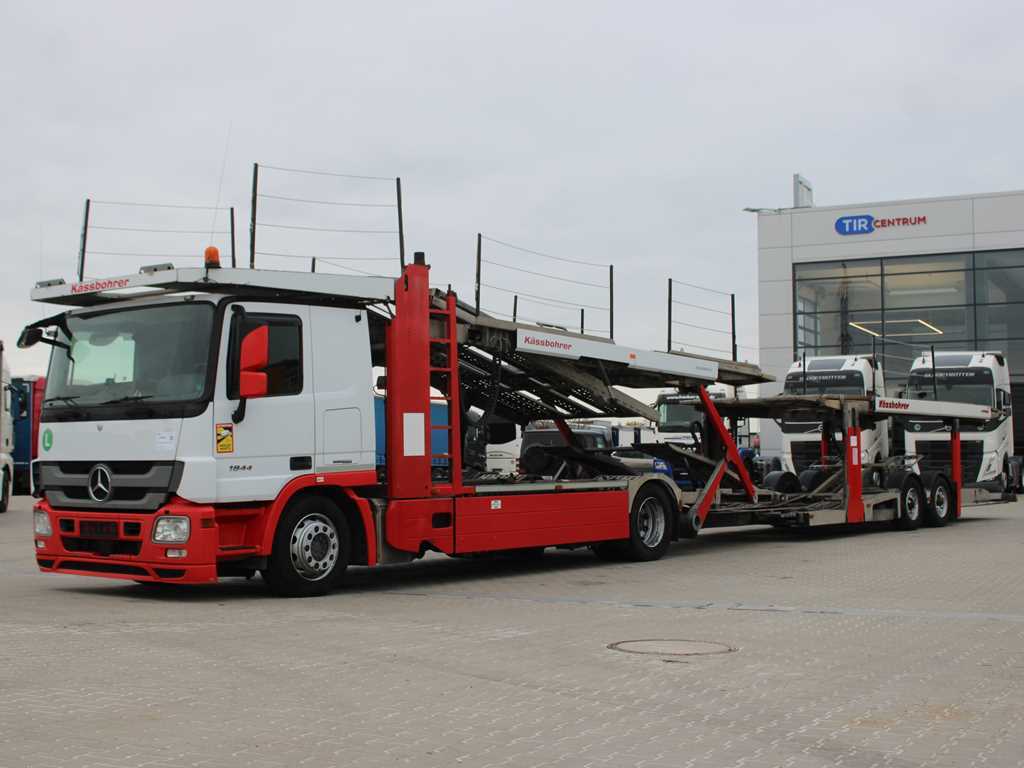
671	647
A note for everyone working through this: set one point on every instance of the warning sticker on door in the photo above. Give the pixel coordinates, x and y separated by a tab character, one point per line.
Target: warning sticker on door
225	435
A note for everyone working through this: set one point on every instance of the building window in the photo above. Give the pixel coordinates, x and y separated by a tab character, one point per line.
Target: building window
902	306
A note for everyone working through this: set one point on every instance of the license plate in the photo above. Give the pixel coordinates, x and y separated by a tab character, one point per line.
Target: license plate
98	529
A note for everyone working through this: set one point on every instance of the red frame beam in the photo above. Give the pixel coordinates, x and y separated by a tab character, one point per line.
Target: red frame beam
732	453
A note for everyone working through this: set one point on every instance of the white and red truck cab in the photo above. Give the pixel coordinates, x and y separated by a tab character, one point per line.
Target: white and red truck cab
203	422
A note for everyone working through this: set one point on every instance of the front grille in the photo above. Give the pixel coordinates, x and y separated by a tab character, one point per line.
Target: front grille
135	486
103	547
806	453
935	457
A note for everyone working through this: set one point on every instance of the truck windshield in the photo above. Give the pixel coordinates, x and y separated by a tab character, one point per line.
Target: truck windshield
153	354
956	386
678	417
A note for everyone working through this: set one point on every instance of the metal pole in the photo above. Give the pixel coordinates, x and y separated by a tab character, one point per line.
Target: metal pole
231	218
252	216
803	366
479	245
313	267
935	383
732	317
668	344
401	226
515	306
82	242
874	366
581	321
611	301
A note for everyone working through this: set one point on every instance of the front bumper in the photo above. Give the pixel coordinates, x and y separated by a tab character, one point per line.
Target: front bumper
120	545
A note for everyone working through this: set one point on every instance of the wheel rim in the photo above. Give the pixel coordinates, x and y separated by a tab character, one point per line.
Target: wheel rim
912	506
650	522
940	502
314	547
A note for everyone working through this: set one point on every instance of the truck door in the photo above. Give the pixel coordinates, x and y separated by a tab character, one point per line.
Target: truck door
257	453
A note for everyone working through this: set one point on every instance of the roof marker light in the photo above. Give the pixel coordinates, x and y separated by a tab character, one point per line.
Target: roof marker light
211	257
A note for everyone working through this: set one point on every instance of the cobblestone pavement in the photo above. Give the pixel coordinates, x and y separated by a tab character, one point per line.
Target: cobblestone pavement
857	649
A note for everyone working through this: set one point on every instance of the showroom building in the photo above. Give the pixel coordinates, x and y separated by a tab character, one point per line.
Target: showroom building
893	277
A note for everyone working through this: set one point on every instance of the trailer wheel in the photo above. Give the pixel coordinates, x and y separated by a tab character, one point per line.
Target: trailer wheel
311	550
940	500
912	503
650	525
5	492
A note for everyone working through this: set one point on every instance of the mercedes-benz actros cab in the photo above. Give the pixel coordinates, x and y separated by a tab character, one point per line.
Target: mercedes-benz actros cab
978	378
833	375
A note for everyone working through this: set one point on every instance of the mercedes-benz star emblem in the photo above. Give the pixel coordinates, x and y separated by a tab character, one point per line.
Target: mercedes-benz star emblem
99	483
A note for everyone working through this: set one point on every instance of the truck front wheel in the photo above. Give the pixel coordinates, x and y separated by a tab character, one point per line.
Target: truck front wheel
311	551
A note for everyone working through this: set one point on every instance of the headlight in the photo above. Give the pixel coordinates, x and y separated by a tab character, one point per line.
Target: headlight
42	523
171	530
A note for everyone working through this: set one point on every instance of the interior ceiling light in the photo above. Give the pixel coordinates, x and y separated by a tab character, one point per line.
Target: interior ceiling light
928	328
924	291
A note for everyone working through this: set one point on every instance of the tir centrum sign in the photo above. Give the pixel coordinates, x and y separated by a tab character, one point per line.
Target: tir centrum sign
864	224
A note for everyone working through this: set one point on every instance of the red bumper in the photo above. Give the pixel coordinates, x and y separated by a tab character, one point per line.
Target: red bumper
121	546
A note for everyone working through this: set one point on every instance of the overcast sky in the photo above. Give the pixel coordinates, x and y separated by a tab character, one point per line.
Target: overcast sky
626	133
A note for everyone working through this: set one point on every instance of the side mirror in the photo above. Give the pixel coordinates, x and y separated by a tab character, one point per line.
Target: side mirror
30	337
253	357
252	363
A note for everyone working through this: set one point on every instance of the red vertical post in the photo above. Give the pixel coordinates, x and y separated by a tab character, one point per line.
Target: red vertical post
823	452
854	476
956	468
408	385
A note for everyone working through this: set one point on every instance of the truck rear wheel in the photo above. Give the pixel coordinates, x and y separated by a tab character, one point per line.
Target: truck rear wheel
311	551
650	522
940	500
911	501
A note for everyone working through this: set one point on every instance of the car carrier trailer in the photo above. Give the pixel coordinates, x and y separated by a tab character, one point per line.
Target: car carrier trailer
829	492
205	422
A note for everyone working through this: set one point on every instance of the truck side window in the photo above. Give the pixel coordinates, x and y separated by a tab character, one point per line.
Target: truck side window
284	369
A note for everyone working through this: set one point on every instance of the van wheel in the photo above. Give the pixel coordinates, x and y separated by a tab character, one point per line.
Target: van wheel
940	501
5	492
311	550
912	504
650	522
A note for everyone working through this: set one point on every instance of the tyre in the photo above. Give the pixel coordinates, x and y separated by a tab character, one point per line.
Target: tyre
941	501
783	482
812	478
5	491
877	476
911	499
311	550
650	525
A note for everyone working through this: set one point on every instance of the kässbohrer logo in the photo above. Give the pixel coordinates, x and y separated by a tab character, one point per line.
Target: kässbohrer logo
896	405
99	285
864	224
533	341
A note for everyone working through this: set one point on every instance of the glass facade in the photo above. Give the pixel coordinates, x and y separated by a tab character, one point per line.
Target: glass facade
902	306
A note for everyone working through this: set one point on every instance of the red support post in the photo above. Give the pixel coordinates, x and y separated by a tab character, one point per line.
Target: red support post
408	386
732	453
854	476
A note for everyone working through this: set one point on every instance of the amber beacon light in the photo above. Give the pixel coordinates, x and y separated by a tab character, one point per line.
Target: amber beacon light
211	257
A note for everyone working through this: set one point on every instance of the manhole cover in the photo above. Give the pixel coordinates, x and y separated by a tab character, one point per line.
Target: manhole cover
671	647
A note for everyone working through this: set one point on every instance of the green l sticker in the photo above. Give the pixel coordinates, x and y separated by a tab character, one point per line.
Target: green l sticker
47	439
